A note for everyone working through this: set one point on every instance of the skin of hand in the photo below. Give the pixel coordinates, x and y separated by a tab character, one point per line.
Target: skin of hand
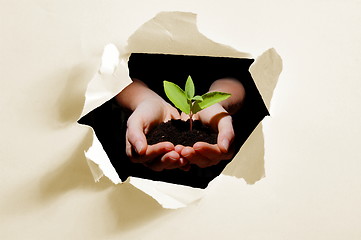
148	110
218	117
159	156
204	154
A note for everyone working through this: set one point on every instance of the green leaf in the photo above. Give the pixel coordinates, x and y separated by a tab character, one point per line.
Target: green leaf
195	107
189	89
197	98
177	96
211	98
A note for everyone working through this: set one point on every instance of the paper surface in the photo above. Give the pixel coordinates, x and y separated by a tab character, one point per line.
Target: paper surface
177	33
51	49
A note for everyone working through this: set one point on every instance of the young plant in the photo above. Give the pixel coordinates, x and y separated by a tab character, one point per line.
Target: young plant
185	100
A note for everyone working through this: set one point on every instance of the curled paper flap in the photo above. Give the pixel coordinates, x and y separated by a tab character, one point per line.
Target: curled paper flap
249	161
110	59
109	80
99	162
174	33
265	72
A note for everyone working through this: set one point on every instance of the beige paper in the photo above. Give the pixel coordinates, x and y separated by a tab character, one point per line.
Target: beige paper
177	33
50	49
249	161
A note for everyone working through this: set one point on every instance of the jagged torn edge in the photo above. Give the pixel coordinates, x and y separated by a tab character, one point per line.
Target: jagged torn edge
102	88
111	69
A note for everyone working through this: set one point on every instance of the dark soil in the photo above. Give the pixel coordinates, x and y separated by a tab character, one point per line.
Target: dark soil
177	132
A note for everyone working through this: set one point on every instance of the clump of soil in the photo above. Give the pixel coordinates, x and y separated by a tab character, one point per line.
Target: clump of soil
177	132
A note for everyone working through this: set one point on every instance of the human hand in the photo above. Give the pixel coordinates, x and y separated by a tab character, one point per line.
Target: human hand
160	156
204	154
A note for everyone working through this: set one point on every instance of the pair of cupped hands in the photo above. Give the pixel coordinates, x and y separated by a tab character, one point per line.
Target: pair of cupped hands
164	155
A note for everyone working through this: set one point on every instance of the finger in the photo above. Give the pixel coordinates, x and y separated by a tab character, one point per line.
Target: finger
187	152
225	134
184	163
174	114
194	157
212	152
184	116
135	136
209	152
174	160
178	148
206	149
153	152
170	160
130	150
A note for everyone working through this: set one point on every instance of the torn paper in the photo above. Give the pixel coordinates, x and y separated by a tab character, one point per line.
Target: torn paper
249	161
109	80
171	196
175	33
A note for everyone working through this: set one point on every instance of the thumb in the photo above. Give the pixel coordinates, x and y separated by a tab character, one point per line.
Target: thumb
135	135
225	133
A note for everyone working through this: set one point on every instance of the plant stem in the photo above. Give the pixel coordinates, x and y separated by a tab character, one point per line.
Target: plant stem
191	121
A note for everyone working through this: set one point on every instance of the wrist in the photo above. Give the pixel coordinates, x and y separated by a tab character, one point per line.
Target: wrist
235	88
135	94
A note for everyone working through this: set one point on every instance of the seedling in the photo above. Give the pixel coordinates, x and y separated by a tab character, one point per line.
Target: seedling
185	100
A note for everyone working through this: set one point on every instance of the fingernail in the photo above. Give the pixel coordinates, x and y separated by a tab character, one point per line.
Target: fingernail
138	146
225	144
169	148
186	155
